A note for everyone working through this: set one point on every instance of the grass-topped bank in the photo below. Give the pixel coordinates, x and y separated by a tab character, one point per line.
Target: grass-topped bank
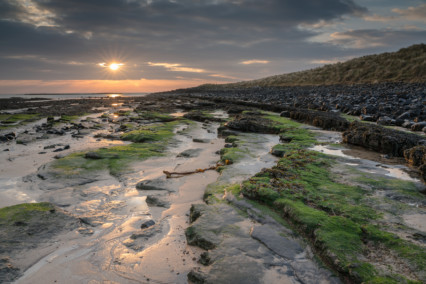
12	120
149	141
341	220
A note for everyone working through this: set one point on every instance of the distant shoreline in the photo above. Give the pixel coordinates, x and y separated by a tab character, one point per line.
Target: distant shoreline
71	95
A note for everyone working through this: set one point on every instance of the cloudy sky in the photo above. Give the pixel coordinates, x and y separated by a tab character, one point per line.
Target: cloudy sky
75	45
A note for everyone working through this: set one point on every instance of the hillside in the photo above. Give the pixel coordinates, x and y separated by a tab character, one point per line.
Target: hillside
406	65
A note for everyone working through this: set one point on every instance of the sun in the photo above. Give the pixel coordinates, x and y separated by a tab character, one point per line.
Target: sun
115	66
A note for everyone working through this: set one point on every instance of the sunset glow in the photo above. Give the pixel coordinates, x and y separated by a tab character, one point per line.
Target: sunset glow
68	45
115	66
112	66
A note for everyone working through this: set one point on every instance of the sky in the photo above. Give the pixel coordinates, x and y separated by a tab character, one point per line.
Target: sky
78	46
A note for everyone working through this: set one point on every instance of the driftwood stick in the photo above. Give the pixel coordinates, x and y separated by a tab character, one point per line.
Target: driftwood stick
181	174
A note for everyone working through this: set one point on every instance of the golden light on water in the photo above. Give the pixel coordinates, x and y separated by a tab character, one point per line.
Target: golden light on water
114	96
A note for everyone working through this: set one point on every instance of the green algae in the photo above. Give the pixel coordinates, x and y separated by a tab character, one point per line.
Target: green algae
17	119
231	155
114	159
150	141
151	133
336	217
22	212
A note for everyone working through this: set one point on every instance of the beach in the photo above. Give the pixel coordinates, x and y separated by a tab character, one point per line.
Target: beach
197	188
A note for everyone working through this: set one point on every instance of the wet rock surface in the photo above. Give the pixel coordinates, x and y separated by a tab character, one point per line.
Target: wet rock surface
190	153
154	184
240	251
27	230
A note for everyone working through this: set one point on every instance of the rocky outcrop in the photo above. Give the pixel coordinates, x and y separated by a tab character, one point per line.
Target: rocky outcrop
416	157
27	226
254	124
242	251
324	120
380	139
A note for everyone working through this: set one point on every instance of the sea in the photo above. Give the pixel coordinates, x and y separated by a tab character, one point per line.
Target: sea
59	96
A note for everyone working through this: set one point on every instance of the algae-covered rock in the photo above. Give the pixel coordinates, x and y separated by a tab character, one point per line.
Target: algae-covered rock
207	225
255	124
27	226
92	155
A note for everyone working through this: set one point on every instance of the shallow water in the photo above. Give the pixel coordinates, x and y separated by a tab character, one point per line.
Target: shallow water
120	208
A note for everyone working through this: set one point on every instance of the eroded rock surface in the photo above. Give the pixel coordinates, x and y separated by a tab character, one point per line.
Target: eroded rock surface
244	251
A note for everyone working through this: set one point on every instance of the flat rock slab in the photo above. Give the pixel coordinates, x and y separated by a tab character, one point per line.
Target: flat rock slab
190	153
34	228
239	251
158	201
274	241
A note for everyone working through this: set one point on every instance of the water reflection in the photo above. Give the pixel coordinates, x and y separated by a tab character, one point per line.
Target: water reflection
396	171
114	95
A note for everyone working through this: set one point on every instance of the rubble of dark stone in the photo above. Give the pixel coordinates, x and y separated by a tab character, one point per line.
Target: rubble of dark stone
398	101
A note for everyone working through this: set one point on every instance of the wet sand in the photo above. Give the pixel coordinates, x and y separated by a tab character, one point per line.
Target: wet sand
165	258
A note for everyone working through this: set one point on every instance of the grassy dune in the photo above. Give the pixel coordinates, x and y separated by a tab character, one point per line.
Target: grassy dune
406	65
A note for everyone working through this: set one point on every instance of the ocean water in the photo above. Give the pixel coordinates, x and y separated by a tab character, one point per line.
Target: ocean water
73	95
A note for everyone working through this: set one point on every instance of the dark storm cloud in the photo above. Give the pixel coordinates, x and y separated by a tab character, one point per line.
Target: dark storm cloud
161	16
212	34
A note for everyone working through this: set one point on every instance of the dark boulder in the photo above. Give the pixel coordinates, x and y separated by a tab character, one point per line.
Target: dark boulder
418	126
385	120
367	118
147	224
92	155
7	137
416	156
